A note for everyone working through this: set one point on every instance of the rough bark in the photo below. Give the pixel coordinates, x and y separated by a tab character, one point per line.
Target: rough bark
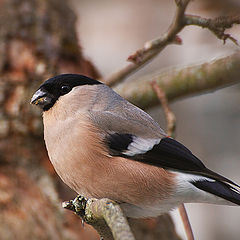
37	40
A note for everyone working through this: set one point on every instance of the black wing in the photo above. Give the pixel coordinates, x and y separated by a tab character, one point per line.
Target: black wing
166	153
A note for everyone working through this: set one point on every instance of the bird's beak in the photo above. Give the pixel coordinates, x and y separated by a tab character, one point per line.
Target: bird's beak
40	98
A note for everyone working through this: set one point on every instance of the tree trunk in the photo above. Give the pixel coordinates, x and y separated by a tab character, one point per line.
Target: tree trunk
37	40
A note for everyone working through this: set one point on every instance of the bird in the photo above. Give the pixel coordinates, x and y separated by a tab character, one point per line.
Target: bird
102	146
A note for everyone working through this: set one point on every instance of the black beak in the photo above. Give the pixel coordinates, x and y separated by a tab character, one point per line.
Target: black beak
38	97
41	98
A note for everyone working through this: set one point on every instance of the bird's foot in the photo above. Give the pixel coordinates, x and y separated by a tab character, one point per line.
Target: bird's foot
77	205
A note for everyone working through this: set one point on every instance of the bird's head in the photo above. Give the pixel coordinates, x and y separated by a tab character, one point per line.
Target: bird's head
52	89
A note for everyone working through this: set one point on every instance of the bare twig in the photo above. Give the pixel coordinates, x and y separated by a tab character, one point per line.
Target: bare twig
179	83
152	48
100	212
186	223
217	25
171	125
170	116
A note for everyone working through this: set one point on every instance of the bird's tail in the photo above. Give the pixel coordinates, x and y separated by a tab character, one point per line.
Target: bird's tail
226	190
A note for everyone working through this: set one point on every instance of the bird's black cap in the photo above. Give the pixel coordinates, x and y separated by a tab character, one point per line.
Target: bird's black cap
49	92
71	80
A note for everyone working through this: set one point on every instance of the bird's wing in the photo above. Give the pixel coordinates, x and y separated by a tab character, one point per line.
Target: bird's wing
131	133
165	152
127	118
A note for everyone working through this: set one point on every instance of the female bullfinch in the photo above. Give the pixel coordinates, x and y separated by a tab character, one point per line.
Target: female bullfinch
102	146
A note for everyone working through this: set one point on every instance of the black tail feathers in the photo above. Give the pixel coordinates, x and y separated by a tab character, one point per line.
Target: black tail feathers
220	189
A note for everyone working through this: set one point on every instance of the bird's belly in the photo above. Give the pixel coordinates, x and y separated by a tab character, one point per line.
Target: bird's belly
75	172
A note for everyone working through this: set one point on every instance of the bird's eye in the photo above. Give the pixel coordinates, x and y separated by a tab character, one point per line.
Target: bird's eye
65	89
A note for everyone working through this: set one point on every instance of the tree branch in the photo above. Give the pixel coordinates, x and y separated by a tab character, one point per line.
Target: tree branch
170	116
104	215
188	81
152	48
186	223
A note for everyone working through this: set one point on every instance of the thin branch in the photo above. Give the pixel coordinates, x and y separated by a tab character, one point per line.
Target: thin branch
171	125
186	223
217	25
188	81
100	214
152	48
170	116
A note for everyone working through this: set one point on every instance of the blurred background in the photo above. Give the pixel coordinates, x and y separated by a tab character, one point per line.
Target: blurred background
208	124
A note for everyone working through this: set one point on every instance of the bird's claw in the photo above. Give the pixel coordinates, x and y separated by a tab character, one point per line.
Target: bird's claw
78	205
